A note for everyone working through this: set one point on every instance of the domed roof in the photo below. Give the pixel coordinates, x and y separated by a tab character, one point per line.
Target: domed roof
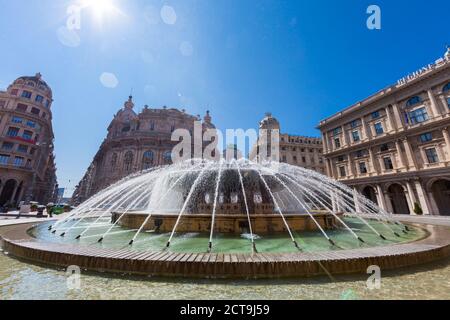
36	80
269	122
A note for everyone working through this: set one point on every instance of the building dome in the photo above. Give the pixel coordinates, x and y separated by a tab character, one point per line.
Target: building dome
34	82
269	122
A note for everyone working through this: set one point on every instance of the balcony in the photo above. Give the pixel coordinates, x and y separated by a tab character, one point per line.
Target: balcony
21	139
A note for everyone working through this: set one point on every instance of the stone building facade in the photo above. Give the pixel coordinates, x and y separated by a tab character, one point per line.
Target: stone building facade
135	142
27	162
306	152
394	147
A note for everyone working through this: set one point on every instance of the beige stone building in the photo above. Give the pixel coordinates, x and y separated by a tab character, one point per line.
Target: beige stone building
27	162
306	152
394	146
135	142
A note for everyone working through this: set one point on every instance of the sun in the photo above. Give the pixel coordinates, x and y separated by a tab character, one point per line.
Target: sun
100	8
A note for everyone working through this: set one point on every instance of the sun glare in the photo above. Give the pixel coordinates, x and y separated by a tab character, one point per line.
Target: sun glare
100	8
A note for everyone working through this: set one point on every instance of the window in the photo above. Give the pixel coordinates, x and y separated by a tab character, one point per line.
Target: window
47	104
28	135
294	158
375	115
426	137
362	168
26	94
432	155
359	153
446	87
7	146
413	101
16	120
340	158
337	143
448	102
147	160
22	107
35	111
4	159
12	132
379	128
418	116
337	131
167	157
14	92
18	161
342	172
22	148
384	147
388	163
128	161
355	123
31	124
39	99
355	135
2	103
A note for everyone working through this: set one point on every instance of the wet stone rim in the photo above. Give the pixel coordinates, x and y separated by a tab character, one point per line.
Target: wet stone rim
436	246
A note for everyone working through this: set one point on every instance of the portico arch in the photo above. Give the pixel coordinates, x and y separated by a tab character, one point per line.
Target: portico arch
397	196
8	192
370	193
440	189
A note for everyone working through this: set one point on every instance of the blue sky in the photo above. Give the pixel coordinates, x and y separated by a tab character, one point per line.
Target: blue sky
301	60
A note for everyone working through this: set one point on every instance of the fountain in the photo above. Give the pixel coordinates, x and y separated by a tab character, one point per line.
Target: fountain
233	218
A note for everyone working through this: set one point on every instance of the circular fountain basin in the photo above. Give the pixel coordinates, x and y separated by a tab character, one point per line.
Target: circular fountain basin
226	223
232	257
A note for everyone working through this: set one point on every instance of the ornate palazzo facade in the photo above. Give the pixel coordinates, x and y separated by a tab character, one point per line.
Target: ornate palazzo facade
394	147
135	142
306	152
27	162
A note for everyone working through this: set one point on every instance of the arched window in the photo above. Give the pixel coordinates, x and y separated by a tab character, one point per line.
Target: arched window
31	84
147	160
113	161
446	87
413	101
167	157
128	161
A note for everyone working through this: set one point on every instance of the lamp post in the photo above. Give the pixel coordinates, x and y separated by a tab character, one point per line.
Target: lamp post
29	195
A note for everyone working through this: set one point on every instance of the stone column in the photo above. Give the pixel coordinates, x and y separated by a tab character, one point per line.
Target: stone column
350	166
412	165
423	198
346	138
446	135
433	103
372	160
412	197
329	169
325	142
400	154
398	117
364	133
390	120
381	199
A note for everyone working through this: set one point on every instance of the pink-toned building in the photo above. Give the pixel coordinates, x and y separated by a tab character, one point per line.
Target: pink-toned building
135	142
27	162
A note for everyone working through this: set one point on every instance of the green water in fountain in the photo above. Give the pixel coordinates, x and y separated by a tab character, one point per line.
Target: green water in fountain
198	243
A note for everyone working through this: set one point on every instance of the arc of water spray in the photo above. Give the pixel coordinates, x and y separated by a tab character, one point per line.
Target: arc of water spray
278	209
159	202
254	250
183	209
128	196
306	209
216	196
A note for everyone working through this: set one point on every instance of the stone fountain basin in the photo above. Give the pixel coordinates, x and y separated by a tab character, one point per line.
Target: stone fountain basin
19	243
